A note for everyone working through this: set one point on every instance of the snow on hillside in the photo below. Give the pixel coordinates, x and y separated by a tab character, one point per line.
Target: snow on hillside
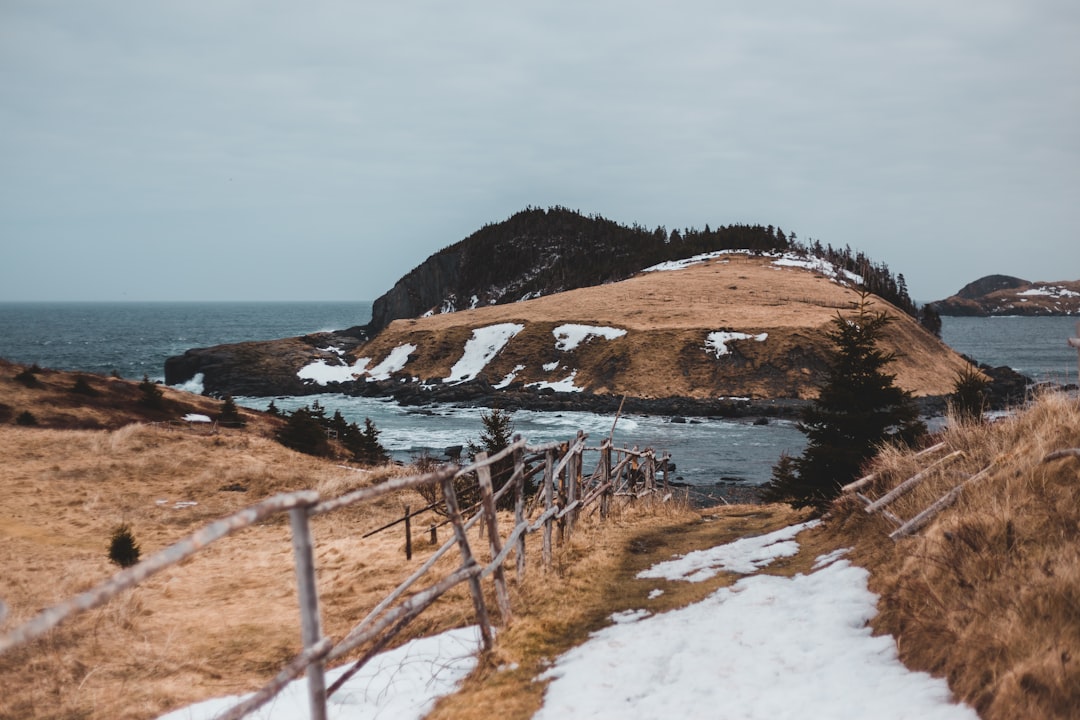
716	342
806	262
485	343
569	336
392	363
322	372
1051	291
564	385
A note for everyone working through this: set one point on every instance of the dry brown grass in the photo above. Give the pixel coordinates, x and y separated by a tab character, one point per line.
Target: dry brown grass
668	316
989	595
227	619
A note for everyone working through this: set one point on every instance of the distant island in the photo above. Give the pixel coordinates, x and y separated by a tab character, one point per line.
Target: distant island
1008	295
551	309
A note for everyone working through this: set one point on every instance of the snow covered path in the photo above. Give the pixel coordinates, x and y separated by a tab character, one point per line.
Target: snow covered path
767	647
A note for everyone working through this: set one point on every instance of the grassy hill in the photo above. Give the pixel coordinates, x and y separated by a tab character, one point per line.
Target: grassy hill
782	308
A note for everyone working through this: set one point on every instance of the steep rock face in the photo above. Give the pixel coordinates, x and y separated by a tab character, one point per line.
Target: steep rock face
1007	295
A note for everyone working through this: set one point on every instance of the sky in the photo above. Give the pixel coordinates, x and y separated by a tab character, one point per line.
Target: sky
234	150
767	648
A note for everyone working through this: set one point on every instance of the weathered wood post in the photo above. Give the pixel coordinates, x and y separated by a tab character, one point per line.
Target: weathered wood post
1075	342
487	500
434	534
549	501
573	470
664	469
605	477
650	470
310	620
408	534
467	561
519	504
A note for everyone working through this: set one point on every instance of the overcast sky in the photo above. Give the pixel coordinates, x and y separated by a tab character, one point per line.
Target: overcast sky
317	151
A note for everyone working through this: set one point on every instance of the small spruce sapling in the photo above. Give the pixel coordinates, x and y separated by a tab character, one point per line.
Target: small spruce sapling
968	399
123	550
152	395
230	414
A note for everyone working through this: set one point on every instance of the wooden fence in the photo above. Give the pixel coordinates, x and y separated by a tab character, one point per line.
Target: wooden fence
916	523
564	492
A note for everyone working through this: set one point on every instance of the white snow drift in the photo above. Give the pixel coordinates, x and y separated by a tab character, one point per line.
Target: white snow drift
485	343
569	336
716	342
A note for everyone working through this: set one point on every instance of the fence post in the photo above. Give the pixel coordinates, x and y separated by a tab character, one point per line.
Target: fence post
573	472
650	470
519	505
310	622
605	477
492	520
664	469
549	501
408	534
467	560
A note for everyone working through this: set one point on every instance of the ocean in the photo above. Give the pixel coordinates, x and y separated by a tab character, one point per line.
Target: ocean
133	339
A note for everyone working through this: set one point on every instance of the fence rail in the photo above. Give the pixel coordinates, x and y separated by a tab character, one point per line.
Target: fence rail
565	491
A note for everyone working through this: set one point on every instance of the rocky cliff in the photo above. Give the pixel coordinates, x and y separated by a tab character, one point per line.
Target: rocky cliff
1007	295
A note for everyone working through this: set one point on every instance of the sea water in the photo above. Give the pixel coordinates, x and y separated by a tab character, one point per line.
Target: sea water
134	339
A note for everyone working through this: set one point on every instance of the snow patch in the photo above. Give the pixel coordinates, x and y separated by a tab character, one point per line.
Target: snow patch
686	262
402	684
392	363
568	337
485	343
551	366
505	382
742	556
322	372
564	385
816	264
197	418
716	342
1053	291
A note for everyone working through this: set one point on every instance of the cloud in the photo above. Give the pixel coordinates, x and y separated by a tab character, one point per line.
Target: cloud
916	131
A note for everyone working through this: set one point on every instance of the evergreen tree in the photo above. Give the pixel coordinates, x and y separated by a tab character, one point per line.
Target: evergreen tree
230	414
364	444
968	398
930	319
304	433
152	395
123	550
496	435
858	409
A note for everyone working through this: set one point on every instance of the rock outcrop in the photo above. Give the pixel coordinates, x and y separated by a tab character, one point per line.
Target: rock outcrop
1007	295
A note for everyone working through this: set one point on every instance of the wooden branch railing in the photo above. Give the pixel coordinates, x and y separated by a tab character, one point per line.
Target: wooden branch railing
564	492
